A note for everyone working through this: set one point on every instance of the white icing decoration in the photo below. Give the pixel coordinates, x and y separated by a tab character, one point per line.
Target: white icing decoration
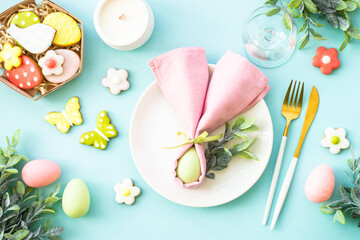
36	38
7	56
86	137
326	59
32	69
7	74
36	18
35	79
17	76
21	85
116	80
82	140
47	117
102	114
57	69
27	62
102	145
96	144
67	117
52	115
23	23
109	127
101	120
16	17
25	74
28	83
126	184
101	134
28	14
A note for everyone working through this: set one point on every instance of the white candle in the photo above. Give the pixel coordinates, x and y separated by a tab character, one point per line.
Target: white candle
124	24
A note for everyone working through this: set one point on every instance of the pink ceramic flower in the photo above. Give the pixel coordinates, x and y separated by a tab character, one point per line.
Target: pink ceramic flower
116	80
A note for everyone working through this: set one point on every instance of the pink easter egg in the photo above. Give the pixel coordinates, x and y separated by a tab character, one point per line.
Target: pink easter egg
320	184
40	173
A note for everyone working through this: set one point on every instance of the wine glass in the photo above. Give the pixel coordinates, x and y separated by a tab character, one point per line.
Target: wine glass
269	41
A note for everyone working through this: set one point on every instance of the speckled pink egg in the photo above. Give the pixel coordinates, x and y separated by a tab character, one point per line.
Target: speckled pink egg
40	173
320	184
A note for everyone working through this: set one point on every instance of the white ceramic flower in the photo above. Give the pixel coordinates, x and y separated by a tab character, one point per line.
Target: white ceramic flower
116	80
126	192
335	139
51	63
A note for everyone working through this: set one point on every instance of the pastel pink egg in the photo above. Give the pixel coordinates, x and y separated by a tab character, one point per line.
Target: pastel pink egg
40	173
320	184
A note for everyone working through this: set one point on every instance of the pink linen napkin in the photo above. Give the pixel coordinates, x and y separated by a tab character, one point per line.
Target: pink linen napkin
202	105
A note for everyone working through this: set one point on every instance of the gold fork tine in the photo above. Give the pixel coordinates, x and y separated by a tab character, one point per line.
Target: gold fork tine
301	96
286	99
290	110
292	95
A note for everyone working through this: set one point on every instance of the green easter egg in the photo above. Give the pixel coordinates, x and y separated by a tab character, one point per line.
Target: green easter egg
25	19
76	199
188	169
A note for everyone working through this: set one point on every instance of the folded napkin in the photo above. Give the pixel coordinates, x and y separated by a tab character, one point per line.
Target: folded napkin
202	104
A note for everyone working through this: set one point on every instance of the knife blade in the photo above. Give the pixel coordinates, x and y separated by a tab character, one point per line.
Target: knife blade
309	117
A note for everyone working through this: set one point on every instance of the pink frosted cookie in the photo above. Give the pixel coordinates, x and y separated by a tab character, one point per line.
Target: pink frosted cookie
70	67
26	76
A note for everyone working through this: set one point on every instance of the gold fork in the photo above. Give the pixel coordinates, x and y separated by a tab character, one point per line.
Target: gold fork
290	110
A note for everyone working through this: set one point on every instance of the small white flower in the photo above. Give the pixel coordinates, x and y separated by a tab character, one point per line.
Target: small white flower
335	139
51	63
116	80
126	192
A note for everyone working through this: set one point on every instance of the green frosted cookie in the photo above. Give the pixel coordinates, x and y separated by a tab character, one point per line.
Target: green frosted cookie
25	19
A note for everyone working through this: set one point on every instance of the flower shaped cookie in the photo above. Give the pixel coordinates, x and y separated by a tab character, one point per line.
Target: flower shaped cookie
326	60
126	192
11	56
335	139
51	63
116	80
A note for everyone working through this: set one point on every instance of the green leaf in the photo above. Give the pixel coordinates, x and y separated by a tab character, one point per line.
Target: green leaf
353	32
51	200
14	160
287	21
15	138
304	41
8	151
227	129
223	157
8	236
236	149
339	216
341	6
304	26
248	155
253	128
47	210
272	12
54	231
316	35
13	208
210	175
332	20
20	188
355	199
295	4
350	6
11	170
5	200
271	2
8	141
238	122
326	209
248	123
21	234
241	135
343	23
316	24
345	43
309	5
56	191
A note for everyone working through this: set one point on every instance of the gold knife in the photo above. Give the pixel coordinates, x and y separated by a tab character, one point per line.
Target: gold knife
309	117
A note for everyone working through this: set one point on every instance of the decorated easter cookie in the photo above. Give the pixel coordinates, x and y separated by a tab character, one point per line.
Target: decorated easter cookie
11	56
27	76
70	67
326	60
335	139
126	192
116	80
36	38
51	63
66	118
102	133
25	19
67	30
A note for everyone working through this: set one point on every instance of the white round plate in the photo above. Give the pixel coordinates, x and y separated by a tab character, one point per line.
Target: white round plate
154	126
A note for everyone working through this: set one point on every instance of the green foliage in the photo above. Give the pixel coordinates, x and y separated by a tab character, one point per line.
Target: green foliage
20	208
337	13
218	156
349	197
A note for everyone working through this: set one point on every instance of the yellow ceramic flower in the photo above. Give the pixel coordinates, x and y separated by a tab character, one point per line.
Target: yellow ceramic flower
11	56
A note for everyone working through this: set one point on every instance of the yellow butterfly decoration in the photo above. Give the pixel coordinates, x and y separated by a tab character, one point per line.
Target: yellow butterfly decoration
102	133
66	118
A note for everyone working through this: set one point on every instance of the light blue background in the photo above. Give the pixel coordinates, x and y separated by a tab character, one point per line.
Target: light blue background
217	26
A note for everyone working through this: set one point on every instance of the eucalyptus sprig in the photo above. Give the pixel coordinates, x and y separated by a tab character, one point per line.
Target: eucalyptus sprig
337	13
20	208
218	156
349	197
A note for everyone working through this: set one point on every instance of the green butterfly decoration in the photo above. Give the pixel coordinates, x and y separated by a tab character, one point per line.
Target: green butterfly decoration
102	133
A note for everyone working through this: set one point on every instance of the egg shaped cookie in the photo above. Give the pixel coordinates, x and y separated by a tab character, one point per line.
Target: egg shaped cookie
70	67
27	76
25	19
67	29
